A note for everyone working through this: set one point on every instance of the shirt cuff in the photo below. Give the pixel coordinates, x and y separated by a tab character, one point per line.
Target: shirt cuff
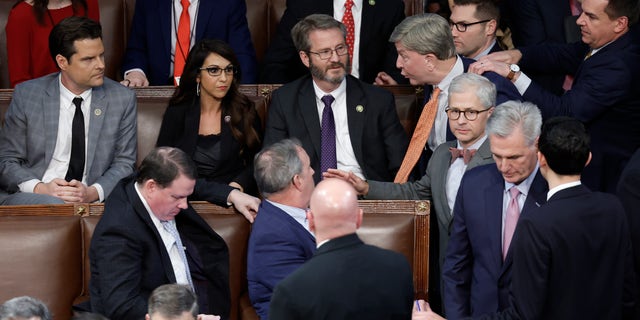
100	191
134	69
522	83
29	185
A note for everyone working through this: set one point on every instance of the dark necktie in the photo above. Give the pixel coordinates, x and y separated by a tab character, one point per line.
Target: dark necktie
465	154
76	161
328	136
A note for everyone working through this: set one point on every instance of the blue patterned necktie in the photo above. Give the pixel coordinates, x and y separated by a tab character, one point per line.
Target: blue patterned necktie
170	226
328	136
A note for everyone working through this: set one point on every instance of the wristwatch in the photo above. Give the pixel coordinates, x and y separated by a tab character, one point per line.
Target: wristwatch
513	69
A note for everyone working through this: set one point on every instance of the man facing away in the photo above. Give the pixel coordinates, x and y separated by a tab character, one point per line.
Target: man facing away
280	240
345	279
175	302
149	235
68	136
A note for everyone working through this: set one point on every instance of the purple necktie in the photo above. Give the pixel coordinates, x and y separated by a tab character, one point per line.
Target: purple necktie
328	136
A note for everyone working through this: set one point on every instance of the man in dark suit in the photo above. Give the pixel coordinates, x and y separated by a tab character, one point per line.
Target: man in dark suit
470	97
474	24
477	266
629	194
369	138
42	158
149	235
427	56
345	279
151	46
572	256
280	240
604	95
374	23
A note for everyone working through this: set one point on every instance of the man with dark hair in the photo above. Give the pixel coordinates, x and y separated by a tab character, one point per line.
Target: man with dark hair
341	121
604	95
149	235
24	308
474	24
572	256
68	136
280	240
175	302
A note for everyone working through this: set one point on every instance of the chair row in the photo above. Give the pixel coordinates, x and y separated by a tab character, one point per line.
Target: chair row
116	15
45	248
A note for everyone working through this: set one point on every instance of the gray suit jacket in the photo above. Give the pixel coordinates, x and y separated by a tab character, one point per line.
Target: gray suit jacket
31	127
432	186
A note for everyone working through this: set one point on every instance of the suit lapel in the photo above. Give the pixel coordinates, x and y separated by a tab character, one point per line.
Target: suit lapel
482	156
165	18
355	118
97	114
309	113
204	16
51	112
442	165
367	24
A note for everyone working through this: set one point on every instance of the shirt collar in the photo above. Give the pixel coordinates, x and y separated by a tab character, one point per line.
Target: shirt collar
476	145
342	89
561	187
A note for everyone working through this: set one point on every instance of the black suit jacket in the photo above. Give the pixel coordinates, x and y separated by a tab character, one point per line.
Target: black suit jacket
572	260
629	194
129	259
179	129
346	279
282	63
604	96
377	137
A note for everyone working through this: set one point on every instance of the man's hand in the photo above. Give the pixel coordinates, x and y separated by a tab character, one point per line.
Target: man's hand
422	311
135	79
72	191
384	79
246	204
208	317
361	186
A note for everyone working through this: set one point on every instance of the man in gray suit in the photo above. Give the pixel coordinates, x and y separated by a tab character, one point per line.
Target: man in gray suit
68	136
471	100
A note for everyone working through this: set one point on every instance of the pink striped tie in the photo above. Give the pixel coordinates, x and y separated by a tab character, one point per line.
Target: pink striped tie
511	220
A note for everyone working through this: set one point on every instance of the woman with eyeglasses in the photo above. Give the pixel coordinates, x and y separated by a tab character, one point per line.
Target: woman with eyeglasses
212	121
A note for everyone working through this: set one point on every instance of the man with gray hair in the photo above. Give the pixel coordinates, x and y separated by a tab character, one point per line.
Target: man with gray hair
280	239
490	200
24	308
427	56
340	121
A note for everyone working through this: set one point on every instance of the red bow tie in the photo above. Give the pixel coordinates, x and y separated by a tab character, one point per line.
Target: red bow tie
465	154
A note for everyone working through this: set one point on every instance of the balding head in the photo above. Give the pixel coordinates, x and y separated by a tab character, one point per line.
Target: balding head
334	210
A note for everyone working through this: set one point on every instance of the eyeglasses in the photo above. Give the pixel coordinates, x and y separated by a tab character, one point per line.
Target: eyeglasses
454	114
215	71
325	54
462	27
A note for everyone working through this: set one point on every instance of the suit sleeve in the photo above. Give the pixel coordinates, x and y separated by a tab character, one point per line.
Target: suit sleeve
458	263
239	39
276	126
126	147
136	53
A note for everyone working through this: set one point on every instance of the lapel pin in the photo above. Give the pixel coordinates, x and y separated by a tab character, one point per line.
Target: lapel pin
359	108
372	2
97	112
227	119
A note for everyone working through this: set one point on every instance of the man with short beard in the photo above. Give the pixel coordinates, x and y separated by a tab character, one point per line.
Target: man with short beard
342	123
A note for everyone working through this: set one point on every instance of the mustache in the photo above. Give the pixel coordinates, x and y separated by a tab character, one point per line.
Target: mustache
336	65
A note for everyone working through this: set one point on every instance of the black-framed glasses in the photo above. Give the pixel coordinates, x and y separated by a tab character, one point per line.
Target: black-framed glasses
215	71
462	27
325	54
454	114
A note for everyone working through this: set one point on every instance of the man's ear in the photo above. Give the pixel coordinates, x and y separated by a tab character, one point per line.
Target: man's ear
147	317
312	223
359	219
588	159
62	62
304	57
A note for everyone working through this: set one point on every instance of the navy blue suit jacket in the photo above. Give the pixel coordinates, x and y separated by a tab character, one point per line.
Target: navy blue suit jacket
278	245
476	280
572	260
149	46
282	63
604	96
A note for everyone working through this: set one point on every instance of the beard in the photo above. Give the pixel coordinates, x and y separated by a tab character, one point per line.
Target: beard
318	73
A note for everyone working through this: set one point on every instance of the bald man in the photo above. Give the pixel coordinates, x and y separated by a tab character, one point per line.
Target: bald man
345	279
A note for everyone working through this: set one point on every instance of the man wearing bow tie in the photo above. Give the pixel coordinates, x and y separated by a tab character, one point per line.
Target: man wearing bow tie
471	100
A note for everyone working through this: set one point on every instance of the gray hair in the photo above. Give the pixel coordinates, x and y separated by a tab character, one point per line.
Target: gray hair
171	300
511	115
484	89
275	166
425	33
24	307
300	32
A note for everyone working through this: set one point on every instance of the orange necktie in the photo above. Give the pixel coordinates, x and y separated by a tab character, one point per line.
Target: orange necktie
419	138
348	22
183	41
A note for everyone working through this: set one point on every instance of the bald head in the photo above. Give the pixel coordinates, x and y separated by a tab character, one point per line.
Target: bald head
334	210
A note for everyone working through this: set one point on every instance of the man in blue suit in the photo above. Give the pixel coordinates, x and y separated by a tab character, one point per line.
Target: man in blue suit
37	151
604	95
280	240
477	266
151	47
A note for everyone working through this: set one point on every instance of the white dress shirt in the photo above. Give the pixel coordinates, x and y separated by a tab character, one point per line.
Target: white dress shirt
438	133
455	173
